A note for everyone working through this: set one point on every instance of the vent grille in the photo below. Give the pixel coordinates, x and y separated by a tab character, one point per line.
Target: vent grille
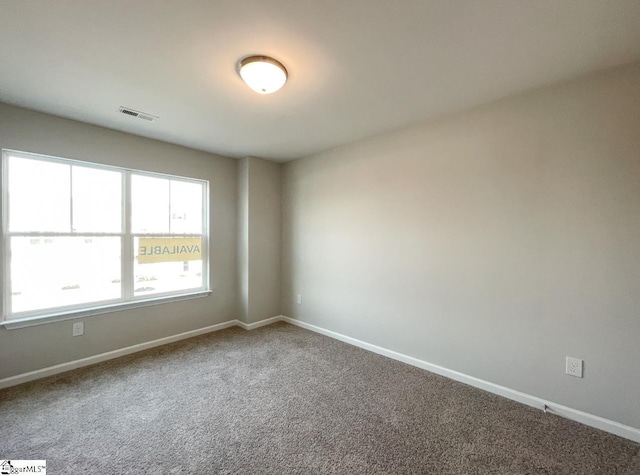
138	114
146	117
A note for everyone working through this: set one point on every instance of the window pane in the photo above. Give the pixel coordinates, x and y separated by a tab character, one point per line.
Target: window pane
186	207
39	196
166	264
48	272
149	204
97	200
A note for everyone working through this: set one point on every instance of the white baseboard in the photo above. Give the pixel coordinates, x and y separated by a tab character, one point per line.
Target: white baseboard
63	367
591	420
261	323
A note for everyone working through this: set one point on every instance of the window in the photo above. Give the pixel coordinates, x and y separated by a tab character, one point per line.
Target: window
81	237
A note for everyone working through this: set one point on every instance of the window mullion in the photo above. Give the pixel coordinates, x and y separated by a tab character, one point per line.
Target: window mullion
170	181
6	300
56	234
127	240
71	226
205	237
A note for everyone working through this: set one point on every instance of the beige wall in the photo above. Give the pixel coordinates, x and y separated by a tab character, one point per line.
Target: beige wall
495	242
259	224
27	349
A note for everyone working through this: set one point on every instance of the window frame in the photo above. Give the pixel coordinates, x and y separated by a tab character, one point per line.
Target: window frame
128	299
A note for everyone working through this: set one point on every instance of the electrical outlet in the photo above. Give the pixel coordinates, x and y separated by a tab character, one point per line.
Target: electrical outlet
299	299
574	367
78	329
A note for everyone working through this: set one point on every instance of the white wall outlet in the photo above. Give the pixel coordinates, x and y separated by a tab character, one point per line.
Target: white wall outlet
78	329
574	367
299	299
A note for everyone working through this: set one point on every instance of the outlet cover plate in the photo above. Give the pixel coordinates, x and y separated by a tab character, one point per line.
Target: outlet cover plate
78	328
574	367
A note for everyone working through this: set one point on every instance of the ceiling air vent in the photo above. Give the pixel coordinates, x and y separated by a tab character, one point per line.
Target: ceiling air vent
138	114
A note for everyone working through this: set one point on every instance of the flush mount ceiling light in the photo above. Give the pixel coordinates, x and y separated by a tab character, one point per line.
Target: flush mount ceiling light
262	74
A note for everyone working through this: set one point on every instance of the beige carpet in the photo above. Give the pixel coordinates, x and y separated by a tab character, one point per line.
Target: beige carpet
282	400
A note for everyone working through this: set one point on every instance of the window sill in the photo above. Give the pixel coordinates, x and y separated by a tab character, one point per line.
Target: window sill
90	312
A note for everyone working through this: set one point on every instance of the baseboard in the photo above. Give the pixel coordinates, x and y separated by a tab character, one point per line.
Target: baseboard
63	367
261	323
591	420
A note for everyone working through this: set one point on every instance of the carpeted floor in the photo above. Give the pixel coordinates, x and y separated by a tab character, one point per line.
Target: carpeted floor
281	400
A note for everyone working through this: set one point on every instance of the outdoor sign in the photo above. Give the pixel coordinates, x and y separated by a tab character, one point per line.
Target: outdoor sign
169	249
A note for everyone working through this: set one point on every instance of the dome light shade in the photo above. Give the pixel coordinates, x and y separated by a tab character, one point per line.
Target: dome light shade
262	74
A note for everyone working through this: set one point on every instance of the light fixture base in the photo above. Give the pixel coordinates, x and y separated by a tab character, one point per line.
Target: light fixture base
263	74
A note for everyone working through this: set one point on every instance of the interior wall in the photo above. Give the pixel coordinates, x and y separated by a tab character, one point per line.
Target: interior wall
28	349
260	238
495	242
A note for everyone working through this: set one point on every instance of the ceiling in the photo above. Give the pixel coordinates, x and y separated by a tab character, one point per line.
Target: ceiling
356	67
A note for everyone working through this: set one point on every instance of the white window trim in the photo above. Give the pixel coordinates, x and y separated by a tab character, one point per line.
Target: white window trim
127	300
99	310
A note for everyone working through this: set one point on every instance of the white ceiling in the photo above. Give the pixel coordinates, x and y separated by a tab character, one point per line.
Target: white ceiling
356	67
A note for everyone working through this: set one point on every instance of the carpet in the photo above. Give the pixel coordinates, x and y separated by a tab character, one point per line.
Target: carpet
283	400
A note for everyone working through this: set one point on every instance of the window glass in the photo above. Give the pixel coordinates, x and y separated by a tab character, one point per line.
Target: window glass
164	264
49	272
186	207
149	204
97	200
39	196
